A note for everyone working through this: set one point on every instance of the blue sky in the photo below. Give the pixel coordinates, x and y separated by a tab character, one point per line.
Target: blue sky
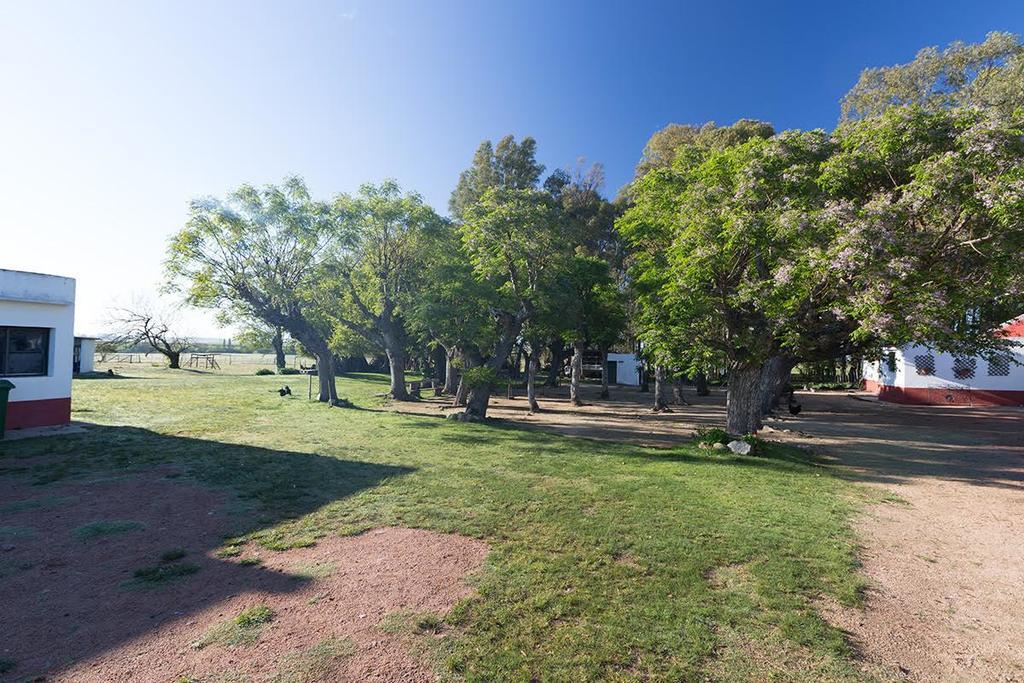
115	114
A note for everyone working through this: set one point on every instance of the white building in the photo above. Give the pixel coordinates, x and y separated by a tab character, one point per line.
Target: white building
918	374
623	368
85	355
37	317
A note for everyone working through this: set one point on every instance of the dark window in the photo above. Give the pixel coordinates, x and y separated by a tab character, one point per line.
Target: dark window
925	365
24	351
999	366
963	367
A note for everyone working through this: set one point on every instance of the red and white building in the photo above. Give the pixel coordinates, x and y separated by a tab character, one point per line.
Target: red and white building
918	374
37	318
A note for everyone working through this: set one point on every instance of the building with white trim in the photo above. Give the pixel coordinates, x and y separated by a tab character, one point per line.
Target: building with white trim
37	318
918	374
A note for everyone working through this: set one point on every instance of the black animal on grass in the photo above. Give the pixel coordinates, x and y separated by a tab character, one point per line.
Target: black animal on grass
285	391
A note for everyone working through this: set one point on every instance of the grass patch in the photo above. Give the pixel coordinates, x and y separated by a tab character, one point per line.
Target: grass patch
7	665
316	663
106	527
313	570
173	555
164	573
601	552
243	629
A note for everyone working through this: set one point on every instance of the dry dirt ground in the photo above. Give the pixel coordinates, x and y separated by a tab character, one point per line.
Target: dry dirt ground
944	556
72	609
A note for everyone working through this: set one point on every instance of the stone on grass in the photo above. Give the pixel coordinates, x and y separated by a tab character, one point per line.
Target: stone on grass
739	447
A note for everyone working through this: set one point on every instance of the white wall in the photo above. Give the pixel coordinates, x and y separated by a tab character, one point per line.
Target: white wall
905	374
626	368
34	300
87	357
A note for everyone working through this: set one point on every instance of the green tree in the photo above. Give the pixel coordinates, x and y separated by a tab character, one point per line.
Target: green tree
512	239
988	75
510	165
382	236
266	253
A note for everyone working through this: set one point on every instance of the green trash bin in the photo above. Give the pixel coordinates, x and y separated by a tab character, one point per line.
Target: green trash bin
5	390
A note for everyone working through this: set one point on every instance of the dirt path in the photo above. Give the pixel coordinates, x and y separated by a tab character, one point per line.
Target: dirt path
945	563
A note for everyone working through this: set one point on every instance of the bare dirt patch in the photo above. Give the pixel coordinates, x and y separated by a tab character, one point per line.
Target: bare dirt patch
944	555
75	610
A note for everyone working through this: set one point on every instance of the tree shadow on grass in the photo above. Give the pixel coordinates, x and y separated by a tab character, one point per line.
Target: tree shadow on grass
67	599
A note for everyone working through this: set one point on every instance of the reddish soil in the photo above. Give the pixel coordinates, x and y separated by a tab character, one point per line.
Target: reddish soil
73	612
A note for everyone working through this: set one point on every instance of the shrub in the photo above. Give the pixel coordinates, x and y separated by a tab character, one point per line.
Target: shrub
711	435
289	371
264	371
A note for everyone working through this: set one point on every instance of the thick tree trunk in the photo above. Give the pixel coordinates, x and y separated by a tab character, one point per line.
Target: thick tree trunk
700	382
776	373
532	366
744	398
557	349
604	373
661	389
278	344
438	356
451	373
470	359
325	375
174	359
480	395
577	373
396	359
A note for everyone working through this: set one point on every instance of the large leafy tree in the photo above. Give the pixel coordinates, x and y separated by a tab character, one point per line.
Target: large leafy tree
927	213
509	164
512	239
987	75
452	306
383	234
265	253
898	228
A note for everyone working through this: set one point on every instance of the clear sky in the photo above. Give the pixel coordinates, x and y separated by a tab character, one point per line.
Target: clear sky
114	114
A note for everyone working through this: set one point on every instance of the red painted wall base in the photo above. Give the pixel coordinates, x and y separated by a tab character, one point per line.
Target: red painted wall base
41	413
941	396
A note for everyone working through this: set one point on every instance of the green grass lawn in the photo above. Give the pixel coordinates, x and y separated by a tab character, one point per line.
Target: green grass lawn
609	561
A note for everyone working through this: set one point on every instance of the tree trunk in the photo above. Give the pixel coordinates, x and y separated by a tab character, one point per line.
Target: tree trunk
604	373
470	359
677	392
743	400
451	373
516	362
480	395
661	390
325	376
776	373
396	359
278	344
557	349
532	366
577	373
174	358
438	356
645	379
700	381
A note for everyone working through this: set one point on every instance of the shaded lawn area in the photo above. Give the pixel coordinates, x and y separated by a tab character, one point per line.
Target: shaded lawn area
609	562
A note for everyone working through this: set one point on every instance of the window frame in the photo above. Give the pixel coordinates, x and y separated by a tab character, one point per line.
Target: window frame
5	351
